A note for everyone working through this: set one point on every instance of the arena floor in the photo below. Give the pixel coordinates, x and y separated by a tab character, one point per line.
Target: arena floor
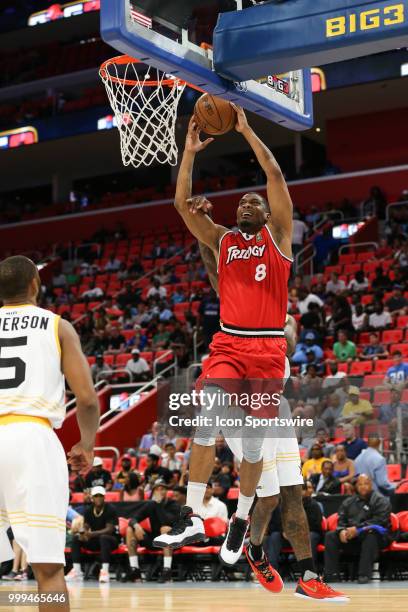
238	597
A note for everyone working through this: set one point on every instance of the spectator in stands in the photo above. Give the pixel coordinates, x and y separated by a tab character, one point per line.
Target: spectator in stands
220	489
397	375
135	269
180	495
397	304
213	506
389	412
322	438
311	369
373	464
335	285
154	470
165	314
127	319
157	251
112	265
332	413
100	533
93	293
325	245
351	443
344	349
380	318
171	461
313	320
362	529
178	296
305	298
343	467
162	513
96	477
335	379
374	350
222	451
138	367
341	315
276	540
359	282
126	469
209	316
375	204
100	370
300	231
359	318
157	290
132	489
155	437
357	410
59	280
381	280
326	483
116	342
314	464
161	338
309	344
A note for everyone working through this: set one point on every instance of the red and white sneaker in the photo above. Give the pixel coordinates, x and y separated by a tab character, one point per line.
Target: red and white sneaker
265	573
317	589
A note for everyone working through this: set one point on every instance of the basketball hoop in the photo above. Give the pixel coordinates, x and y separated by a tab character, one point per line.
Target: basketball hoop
145	109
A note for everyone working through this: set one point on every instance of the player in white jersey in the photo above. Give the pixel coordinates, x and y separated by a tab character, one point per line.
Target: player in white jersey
281	479
37	351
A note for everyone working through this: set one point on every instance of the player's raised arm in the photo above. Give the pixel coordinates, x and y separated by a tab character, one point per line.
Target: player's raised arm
199	224
280	203
76	370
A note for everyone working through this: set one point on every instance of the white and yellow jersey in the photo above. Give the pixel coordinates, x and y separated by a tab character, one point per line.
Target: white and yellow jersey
31	381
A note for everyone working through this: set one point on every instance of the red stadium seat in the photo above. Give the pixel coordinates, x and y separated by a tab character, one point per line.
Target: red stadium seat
371	381
107	463
112	496
77	498
352	268
122	359
215	527
382	397
359	368
402	322
332	521
123	525
402	348
233	493
391	336
145	524
394	472
91	359
366	299
382	365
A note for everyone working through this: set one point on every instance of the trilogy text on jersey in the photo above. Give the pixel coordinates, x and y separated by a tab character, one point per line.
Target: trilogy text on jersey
236	253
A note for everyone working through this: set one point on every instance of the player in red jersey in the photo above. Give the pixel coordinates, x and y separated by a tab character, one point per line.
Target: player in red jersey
253	270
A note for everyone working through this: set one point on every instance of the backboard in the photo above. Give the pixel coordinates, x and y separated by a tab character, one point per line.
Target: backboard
176	38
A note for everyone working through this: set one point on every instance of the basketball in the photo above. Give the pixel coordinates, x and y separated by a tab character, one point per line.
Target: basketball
215	116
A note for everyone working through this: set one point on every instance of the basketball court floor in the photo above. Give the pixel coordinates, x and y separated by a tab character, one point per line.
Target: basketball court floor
235	597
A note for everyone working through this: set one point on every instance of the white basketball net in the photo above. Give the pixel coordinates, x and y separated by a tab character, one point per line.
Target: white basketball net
145	110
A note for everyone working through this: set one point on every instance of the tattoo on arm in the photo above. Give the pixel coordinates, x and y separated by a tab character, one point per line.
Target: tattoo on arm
261	516
294	521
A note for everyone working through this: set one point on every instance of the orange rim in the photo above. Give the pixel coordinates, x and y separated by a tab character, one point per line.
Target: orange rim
121	60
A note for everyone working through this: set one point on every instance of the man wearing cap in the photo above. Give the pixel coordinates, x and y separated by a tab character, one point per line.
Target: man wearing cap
356	410
98	476
371	462
100	370
162	514
100	533
138	367
302	348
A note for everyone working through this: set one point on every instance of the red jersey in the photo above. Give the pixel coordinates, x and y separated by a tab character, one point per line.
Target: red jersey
253	276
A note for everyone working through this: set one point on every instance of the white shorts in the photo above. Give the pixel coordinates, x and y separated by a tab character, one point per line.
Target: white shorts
282	466
33	492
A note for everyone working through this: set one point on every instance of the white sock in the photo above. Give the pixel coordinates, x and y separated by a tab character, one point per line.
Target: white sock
134	562
105	567
244	506
77	568
195	495
167	562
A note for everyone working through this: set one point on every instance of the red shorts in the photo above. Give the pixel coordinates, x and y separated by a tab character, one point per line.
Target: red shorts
235	357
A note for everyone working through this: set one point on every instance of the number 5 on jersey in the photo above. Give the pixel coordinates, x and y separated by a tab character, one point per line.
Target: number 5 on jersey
260	272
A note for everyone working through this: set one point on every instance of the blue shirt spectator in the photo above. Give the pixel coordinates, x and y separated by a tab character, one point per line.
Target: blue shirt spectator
388	412
397	373
302	348
372	463
352	444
